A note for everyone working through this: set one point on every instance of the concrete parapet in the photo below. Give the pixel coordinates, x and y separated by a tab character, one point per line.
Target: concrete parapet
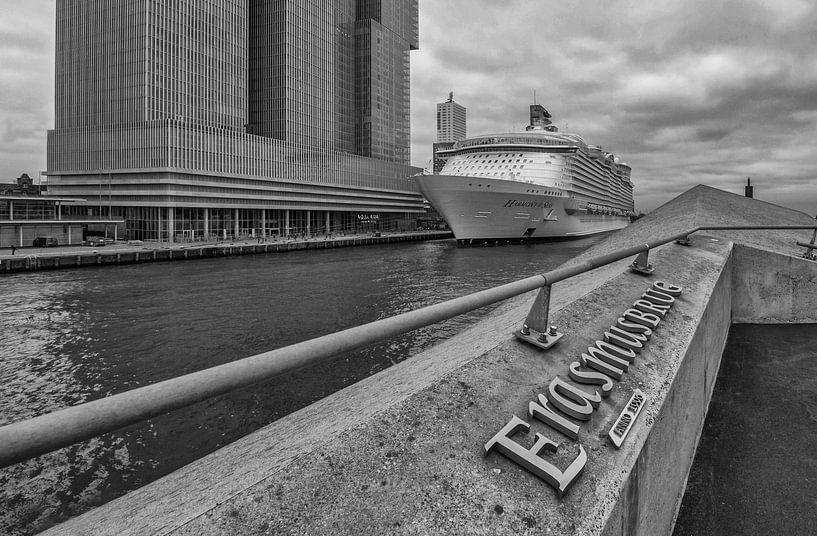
772	288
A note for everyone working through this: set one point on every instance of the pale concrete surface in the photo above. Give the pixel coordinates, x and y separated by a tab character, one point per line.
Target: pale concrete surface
773	289
401	452
754	472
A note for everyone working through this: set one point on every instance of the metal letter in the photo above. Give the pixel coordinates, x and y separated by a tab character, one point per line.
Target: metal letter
645	319
571	400
544	413
612	349
602	366
660	298
649	307
590	378
624	339
530	459
666	288
632	327
608	358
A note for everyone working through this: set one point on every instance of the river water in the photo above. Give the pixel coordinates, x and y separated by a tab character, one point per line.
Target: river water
72	336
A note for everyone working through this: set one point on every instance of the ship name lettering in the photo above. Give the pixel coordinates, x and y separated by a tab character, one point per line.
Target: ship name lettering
530	204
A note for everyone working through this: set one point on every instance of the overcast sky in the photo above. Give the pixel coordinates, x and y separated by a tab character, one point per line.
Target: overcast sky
686	92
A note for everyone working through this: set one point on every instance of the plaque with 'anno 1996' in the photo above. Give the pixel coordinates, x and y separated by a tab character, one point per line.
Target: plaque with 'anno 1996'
625	420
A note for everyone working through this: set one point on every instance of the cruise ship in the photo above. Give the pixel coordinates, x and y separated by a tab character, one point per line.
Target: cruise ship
536	184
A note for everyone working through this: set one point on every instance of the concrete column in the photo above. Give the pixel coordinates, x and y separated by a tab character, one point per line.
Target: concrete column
286	223
21	236
115	231
171	225
11	210
236	224
69	234
207	224
308	223
264	222
328	223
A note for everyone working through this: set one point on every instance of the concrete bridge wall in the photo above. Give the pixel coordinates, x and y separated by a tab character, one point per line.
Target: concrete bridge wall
771	288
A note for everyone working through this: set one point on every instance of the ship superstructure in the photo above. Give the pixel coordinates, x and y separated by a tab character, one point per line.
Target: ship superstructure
540	183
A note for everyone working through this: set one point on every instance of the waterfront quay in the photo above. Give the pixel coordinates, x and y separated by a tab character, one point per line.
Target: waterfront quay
410	450
31	259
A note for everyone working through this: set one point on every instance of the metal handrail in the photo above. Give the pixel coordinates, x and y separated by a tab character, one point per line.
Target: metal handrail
30	438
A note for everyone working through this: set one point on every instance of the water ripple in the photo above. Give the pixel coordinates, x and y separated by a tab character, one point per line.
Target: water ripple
78	335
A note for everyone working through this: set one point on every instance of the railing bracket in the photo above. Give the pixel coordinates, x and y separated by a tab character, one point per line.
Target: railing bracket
809	254
641	265
536	330
684	241
542	340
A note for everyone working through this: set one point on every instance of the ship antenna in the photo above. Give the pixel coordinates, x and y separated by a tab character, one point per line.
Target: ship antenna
534	96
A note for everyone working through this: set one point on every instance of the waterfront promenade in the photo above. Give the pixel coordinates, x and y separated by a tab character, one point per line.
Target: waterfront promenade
402	451
125	252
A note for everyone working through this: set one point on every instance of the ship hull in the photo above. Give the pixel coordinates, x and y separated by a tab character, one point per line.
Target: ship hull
478	209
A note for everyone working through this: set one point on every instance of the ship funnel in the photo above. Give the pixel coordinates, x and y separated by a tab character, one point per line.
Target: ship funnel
539	117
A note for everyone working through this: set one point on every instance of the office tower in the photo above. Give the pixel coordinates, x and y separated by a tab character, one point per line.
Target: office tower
450	128
235	118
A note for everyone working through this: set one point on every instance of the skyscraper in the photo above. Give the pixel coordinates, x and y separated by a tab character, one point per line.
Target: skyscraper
237	117
450	128
450	120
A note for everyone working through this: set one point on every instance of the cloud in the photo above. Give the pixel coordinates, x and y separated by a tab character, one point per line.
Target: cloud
26	86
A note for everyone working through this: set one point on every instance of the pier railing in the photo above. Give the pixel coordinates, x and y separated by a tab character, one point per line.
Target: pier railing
30	438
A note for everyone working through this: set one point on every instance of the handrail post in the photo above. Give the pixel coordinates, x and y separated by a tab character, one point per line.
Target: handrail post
537	321
641	264
809	254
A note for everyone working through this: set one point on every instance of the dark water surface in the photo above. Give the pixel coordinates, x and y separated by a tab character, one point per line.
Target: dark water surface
73	336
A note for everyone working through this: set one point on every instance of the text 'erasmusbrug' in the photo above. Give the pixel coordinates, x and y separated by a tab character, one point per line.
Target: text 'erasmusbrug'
563	403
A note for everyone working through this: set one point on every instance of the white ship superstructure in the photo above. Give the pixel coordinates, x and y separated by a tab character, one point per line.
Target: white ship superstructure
540	183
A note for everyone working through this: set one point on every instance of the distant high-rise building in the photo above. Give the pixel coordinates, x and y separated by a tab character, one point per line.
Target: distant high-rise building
239	117
450	120
450	128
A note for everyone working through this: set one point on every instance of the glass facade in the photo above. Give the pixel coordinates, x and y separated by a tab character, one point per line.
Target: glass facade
385	32
301	72
215	106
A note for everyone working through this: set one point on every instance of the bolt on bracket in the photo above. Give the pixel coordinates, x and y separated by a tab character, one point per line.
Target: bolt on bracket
536	330
641	264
